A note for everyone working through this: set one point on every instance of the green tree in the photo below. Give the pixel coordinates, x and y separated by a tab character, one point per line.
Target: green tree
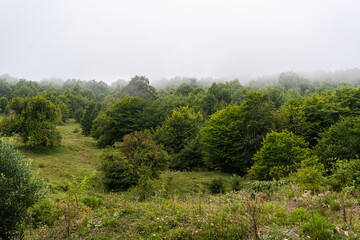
178	129
5	89
184	89
125	116
139	86
232	135
90	113
178	134
291	117
340	141
321	112
137	157
280	154
189	158
3	104
19	190
35	121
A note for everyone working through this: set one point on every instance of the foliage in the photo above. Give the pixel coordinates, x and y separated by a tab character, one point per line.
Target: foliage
280	154
178	129
236	183
291	117
309	175
340	141
317	228
345	173
232	135
125	116
3	104
139	86
78	114
321	112
217	186
35	121
184	89
90	113
137	157
19	190
189	158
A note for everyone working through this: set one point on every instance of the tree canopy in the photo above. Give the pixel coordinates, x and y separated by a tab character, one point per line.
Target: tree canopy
35	120
232	135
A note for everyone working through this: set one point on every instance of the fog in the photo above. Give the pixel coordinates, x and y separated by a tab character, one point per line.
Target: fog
110	40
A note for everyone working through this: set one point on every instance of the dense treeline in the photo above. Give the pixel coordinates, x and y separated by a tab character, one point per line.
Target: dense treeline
226	126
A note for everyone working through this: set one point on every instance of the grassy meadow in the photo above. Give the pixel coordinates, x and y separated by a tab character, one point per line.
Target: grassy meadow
178	205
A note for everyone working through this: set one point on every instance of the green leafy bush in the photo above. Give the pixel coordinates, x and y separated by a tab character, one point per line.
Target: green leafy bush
216	186
345	173
280	154
340	141
317	228
137	157
35	120
236	183
309	175
232	136
19	190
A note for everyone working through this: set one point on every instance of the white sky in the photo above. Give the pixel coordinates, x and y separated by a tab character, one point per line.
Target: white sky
112	39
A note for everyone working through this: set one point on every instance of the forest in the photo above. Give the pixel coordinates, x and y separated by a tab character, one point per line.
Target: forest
184	158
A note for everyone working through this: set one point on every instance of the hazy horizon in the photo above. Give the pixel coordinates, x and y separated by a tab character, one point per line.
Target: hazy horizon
110	40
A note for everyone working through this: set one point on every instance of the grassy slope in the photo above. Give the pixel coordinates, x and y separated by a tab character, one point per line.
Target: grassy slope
189	212
77	156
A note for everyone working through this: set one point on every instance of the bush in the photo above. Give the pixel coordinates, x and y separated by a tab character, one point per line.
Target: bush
346	173
189	158
137	157
19	190
43	214
280	154
93	201
35	120
340	141
309	175
231	136
317	228
236	183
217	186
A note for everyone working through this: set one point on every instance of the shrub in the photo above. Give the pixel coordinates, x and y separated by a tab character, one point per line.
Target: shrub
260	186
93	201
340	141
42	214
216	186
35	120
280	154
19	190
236	183
137	157
231	136
345	173
309	175
189	158
317	228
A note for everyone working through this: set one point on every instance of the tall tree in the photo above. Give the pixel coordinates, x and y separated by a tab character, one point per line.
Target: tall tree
90	113
232	135
140	86
125	116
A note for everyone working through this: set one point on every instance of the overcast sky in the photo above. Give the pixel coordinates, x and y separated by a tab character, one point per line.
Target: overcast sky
117	39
